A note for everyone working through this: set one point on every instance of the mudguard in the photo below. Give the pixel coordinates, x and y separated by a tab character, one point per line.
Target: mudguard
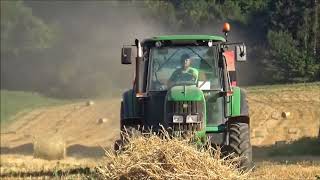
239	109
129	107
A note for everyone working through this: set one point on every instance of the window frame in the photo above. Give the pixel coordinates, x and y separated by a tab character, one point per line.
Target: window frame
150	69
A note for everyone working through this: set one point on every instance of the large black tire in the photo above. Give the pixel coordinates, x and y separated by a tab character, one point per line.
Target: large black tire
124	134
239	144
118	144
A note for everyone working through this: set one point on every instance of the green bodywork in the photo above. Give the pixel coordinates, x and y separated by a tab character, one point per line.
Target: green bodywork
191	92
235	105
185	93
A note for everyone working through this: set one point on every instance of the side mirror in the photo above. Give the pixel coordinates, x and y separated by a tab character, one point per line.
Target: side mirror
126	55
241	53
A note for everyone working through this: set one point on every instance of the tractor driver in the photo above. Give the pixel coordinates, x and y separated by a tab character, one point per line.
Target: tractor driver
184	74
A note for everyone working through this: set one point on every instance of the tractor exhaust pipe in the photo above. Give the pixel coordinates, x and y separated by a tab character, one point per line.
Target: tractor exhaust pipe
139	76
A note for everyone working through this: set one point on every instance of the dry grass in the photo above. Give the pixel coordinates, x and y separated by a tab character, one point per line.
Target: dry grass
164	158
267	103
27	167
49	147
268	170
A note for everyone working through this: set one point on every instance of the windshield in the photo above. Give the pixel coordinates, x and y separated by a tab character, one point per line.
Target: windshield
188	65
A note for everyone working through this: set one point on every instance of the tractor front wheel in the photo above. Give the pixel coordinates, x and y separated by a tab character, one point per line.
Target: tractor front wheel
239	143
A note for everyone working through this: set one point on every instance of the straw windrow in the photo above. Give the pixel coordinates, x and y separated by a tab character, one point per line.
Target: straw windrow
164	158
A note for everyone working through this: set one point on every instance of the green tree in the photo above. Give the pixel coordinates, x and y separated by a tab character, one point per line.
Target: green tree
288	26
194	13
165	12
289	62
291	38
22	31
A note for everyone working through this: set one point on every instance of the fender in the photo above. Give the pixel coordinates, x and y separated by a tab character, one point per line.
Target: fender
128	110
239	106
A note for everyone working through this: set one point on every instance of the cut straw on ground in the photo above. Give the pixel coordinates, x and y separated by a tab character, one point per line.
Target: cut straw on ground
165	158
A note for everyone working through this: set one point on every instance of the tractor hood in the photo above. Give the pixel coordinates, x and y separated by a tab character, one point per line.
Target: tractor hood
185	93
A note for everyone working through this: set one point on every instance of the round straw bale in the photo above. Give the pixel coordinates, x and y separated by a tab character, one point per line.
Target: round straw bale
285	114
90	103
49	147
102	120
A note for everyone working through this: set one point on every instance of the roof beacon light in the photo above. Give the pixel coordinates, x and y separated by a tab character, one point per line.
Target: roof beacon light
226	29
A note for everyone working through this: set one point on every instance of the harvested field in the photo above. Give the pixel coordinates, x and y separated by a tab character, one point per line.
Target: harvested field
268	103
302	170
87	129
77	123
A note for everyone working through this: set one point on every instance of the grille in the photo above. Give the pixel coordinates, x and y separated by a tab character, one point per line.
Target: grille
187	127
184	107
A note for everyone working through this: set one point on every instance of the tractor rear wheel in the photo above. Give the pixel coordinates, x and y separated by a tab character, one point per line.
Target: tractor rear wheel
239	144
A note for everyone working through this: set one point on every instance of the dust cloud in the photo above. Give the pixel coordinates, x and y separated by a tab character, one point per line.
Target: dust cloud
85	61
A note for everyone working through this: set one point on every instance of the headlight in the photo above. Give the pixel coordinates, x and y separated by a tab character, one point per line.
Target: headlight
192	119
177	119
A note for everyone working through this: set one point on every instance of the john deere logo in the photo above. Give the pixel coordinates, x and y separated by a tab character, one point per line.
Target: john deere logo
185	106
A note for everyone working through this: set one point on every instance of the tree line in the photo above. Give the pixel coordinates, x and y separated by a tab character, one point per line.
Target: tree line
284	35
288	30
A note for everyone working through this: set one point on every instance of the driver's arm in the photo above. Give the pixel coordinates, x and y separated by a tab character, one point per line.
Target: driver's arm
195	74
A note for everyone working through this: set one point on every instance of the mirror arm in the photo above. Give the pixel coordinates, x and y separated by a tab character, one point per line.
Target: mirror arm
233	43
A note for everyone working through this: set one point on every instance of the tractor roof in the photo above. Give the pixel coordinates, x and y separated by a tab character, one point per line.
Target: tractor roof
186	37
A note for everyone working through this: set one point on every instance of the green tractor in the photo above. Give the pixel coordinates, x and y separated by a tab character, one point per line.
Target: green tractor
186	83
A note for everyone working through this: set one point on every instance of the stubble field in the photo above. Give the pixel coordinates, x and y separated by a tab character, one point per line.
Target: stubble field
284	129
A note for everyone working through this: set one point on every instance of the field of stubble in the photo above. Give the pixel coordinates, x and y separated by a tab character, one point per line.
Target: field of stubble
284	129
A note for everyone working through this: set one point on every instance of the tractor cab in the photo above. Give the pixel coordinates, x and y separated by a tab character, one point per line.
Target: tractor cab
186	83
